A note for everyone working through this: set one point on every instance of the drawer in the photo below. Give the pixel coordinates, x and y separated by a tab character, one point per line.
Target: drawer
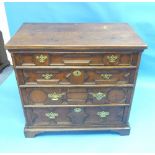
76	76
76	59
74	116
76	96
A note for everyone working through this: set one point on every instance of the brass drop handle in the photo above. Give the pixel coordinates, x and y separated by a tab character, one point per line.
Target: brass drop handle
55	96
51	115
99	96
106	76
102	114
112	58
41	58
77	73
47	76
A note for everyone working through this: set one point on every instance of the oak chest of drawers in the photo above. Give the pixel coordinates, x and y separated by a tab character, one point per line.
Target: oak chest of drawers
76	77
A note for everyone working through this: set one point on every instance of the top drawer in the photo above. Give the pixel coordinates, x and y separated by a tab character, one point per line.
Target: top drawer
76	59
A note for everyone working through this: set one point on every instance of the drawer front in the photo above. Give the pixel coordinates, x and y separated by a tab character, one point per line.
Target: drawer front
76	59
74	116
76	76
76	96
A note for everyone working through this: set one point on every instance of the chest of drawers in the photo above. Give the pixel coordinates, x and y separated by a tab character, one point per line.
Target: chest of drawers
76	77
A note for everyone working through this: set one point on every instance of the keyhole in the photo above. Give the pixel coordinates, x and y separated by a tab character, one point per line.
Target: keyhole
77	73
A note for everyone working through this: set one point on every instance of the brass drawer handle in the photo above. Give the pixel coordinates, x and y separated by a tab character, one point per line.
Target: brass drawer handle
41	58
99	96
106	76
47	76
51	115
55	96
112	58
77	110
103	114
77	73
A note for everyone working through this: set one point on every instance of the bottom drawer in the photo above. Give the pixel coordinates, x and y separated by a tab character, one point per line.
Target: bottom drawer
74	116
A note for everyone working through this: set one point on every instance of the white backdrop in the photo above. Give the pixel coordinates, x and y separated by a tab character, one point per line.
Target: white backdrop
4	27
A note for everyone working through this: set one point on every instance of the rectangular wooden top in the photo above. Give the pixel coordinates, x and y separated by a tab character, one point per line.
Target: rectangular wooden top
75	36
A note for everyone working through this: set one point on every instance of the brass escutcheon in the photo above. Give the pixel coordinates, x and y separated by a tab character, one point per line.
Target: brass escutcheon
41	58
112	58
51	115
47	76
103	114
76	73
99	96
55	96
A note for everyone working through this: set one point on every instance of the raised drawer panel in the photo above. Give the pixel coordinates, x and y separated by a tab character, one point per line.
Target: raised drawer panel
74	116
76	59
76	96
76	76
